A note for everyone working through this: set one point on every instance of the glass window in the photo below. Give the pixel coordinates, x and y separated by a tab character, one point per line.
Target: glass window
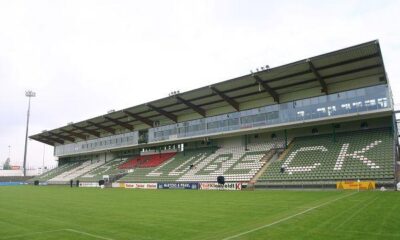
382	102
322	99
370	102
260	117
272	115
346	106
233	121
245	120
360	92
357	104
314	101
331	110
306	102
212	125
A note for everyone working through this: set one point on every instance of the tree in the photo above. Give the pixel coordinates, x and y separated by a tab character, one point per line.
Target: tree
7	165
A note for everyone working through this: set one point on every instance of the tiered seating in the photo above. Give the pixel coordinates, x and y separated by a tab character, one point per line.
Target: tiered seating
131	163
233	161
157	159
110	168
56	171
76	172
235	164
168	171
361	155
147	161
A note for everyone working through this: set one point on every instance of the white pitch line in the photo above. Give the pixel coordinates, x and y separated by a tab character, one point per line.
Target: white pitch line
87	234
32	233
58	230
287	218
356	212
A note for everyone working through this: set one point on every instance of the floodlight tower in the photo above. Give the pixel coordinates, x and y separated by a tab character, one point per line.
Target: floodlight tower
30	94
44	150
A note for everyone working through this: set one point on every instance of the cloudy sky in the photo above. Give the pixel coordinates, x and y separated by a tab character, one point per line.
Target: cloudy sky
83	58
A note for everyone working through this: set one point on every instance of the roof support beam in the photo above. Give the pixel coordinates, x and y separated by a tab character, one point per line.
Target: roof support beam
91	132
195	108
171	116
47	142
38	138
118	122
227	99
53	139
349	61
107	129
267	88
75	134
138	117
331	76
321	80
62	137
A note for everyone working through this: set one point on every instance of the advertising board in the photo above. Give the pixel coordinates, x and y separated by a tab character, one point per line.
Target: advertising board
354	185
89	184
118	185
193	186
141	185
11	183
217	186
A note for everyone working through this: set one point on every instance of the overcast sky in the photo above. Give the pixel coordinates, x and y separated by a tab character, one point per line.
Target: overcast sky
83	58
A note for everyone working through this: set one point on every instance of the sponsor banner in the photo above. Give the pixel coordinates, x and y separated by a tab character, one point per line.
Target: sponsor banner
141	185
194	186
354	185
117	185
89	184
11	183
43	184
217	186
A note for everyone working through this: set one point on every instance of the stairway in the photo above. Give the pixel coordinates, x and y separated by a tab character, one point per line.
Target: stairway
267	159
287	150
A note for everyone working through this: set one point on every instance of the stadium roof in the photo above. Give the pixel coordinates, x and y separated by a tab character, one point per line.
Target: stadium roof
320	71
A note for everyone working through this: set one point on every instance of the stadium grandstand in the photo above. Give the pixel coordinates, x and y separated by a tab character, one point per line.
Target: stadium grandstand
311	123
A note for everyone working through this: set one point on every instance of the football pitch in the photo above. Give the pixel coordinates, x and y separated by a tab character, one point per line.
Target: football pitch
28	212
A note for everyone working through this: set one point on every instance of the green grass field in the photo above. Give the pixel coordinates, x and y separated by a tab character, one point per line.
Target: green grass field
28	212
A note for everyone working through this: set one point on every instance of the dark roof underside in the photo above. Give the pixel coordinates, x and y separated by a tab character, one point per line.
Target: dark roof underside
320	71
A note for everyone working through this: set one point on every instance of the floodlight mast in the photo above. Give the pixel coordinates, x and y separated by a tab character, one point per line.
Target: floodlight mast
28	94
44	150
